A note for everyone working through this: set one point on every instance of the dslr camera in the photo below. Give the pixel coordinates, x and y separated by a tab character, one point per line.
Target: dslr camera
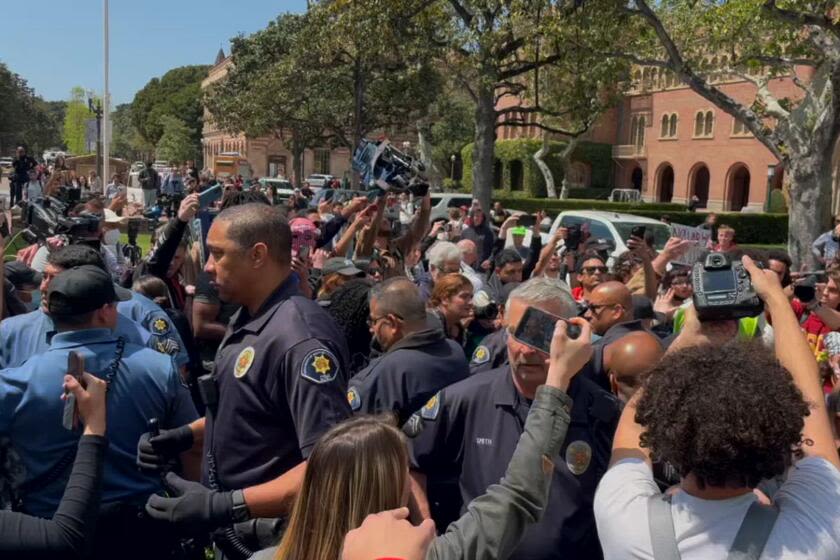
49	217
723	290
383	166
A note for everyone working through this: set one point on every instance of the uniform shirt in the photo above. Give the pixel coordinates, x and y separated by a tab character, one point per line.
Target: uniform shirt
408	375
281	378
153	318
491	353
24	336
147	385
472	429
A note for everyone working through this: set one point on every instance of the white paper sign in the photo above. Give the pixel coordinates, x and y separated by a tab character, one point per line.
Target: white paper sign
701	236
135	195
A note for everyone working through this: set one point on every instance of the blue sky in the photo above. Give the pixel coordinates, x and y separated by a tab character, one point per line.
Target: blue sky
57	44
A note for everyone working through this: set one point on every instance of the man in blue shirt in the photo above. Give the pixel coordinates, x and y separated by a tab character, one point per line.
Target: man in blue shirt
143	384
140	321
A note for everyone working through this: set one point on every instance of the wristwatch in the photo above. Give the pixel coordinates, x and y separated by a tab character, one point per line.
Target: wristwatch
240	508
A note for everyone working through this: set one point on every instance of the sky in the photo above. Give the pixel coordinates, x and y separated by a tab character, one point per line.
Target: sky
57	44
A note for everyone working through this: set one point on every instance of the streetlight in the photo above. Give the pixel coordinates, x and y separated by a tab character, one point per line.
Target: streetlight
452	159
771	174
95	107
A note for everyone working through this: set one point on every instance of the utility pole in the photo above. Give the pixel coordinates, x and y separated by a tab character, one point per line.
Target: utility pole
95	107
106	102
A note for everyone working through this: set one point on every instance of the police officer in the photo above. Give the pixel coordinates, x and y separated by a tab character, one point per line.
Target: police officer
24	336
418	360
610	312
143	384
471	429
276	387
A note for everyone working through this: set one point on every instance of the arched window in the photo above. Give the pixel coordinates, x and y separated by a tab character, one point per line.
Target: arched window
664	130
640	139
709	124
698	124
672	126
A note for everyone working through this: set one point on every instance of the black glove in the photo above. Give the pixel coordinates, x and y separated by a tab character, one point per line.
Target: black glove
160	452
193	507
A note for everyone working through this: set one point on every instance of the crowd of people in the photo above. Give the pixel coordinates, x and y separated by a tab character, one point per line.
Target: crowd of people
324	378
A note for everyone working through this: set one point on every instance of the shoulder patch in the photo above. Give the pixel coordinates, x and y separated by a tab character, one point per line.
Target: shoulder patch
319	366
167	346
431	409
160	326
413	426
354	399
481	355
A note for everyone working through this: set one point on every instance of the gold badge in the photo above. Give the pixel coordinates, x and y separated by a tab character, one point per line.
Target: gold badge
243	362
578	457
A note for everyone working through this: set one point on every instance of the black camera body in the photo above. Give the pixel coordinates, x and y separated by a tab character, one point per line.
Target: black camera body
723	290
48	217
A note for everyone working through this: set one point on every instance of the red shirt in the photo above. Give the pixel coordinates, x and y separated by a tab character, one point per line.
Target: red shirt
577	293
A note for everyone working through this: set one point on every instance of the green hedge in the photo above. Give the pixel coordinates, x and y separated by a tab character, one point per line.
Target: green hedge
763	229
597	156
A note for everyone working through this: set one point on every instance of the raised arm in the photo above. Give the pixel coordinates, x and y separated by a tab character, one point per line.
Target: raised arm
796	356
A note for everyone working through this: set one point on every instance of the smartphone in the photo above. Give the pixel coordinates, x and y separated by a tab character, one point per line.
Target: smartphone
303	252
526	220
536	329
209	196
75	367
638	231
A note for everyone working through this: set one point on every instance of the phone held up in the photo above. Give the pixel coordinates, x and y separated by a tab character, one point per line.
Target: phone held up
75	368
536	329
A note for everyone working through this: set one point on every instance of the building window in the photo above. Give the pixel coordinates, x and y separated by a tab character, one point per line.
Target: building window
322	161
669	126
740	129
704	122
637	130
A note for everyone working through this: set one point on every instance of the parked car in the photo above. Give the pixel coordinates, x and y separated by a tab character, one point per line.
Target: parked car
5	163
612	226
277	190
442	202
318	181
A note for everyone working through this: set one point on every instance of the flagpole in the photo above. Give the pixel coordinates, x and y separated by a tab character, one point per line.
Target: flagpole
106	105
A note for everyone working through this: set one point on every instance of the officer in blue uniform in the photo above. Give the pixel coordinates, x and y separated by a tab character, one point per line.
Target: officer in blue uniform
491	353
164	336
143	384
276	387
470	430
24	336
418	360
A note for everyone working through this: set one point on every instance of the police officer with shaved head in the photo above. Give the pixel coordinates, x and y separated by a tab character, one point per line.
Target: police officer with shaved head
279	382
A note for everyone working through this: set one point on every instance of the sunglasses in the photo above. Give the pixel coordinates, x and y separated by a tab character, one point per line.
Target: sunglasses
594	269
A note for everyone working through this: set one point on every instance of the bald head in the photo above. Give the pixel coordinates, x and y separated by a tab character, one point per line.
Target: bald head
400	297
469	251
610	303
628	358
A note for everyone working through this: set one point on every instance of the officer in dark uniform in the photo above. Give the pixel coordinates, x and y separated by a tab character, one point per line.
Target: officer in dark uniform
610	312
471	429
418	360
276	387
491	353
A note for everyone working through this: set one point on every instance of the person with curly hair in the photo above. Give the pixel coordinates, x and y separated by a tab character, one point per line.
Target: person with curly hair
726	416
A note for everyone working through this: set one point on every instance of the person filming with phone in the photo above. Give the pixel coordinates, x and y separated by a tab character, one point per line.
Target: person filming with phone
469	430
143	384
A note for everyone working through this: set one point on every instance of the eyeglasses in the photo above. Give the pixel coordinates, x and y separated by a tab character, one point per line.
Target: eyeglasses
371	322
594	307
594	269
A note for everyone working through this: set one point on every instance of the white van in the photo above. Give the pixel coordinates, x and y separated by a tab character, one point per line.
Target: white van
612	226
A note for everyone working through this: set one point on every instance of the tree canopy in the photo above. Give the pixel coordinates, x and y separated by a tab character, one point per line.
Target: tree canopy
25	118
75	121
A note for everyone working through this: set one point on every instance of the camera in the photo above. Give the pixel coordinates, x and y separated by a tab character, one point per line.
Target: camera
48	217
723	290
383	166
573	237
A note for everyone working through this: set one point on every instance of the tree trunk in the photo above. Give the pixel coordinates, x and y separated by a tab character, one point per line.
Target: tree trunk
424	132
566	162
297	161
810	205
539	159
484	158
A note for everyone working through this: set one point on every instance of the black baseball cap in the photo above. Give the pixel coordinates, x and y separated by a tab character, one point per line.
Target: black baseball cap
643	309
343	266
20	275
83	289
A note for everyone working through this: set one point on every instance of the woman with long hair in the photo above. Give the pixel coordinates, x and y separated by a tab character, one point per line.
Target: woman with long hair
451	301
361	467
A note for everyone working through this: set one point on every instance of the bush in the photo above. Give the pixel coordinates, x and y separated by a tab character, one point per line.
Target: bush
763	229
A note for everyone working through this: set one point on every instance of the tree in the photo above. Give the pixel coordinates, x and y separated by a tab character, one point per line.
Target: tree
448	129
25	118
176	144
756	41
75	121
126	142
177	94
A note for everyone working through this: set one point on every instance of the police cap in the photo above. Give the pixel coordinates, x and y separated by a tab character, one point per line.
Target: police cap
83	289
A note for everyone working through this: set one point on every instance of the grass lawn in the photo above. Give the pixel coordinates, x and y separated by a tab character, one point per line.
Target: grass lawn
144	241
